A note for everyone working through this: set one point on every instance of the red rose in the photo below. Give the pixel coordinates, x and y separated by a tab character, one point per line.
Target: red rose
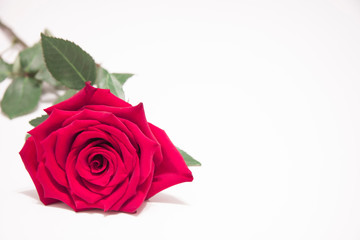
97	151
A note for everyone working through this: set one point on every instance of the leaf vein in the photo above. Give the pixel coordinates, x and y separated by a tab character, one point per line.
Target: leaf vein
67	60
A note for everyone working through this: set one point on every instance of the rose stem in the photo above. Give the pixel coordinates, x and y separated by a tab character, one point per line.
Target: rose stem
12	35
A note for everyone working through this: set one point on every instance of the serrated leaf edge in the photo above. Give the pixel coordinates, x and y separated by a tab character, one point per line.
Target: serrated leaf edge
44	37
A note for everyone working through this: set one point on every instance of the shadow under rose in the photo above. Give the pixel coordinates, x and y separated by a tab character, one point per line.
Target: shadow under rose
166	198
158	198
31	193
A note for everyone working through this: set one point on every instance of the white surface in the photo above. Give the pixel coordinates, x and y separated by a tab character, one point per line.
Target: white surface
266	94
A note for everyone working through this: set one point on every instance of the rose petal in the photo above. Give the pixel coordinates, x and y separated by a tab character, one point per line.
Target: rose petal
66	136
83	169
51	188
173	169
29	158
51	124
121	138
123	171
118	193
86	137
105	118
50	160
148	147
117	198
135	202
89	96
135	115
75	183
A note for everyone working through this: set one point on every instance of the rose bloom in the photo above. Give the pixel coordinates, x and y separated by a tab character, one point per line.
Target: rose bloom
97	151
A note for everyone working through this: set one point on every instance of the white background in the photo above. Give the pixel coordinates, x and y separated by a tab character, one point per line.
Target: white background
266	94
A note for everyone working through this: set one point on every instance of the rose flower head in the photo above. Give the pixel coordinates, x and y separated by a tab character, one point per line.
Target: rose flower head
98	151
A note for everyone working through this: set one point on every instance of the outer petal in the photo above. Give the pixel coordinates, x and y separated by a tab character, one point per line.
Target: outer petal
135	202
173	169
50	160
53	123
28	155
89	96
51	188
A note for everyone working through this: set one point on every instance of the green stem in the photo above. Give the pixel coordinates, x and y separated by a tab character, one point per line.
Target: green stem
12	35
7	49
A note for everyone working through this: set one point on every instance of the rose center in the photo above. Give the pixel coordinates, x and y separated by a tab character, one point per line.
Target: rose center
98	164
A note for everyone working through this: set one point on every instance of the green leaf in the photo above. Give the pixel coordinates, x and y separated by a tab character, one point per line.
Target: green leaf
107	81
27	136
16	68
68	94
31	59
36	121
189	160
5	70
67	62
44	75
21	97
122	77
